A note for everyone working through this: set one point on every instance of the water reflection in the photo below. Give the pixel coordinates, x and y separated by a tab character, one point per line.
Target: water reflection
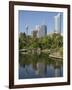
39	66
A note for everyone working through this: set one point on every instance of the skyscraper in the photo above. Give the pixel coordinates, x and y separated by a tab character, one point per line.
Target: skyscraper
57	26
26	26
42	31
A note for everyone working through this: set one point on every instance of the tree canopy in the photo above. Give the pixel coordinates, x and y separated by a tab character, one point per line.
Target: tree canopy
47	42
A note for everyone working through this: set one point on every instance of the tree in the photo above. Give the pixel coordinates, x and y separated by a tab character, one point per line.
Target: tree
22	40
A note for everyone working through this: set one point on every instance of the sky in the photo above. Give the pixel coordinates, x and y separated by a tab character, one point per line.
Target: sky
33	18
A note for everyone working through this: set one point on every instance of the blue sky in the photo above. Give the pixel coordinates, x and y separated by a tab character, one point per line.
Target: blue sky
33	18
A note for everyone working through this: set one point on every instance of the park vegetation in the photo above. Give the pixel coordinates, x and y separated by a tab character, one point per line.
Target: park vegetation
48	42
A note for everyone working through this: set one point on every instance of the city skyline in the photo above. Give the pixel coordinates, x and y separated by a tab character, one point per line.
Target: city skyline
40	31
34	18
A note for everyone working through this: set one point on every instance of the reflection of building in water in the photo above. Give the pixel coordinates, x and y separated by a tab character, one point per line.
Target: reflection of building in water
57	72
54	70
41	69
50	70
57	69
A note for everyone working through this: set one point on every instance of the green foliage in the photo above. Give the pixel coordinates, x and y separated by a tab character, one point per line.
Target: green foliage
48	42
61	51
22	40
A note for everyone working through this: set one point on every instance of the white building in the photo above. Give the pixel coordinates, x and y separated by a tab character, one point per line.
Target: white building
57	26
42	30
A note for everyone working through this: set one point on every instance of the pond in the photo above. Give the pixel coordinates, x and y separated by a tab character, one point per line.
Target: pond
39	66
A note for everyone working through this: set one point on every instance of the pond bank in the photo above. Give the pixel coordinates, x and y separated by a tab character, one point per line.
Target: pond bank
55	57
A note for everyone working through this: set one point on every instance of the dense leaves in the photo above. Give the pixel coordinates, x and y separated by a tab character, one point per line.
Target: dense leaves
48	42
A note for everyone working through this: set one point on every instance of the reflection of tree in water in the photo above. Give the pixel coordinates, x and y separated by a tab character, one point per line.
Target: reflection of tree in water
42	64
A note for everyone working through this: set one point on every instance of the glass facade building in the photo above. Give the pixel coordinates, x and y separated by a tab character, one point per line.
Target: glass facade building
57	26
42	31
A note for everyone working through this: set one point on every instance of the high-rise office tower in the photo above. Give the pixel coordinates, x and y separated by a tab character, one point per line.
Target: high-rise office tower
42	30
26	26
57	26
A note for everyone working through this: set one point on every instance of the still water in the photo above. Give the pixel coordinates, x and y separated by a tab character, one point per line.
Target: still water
39	66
